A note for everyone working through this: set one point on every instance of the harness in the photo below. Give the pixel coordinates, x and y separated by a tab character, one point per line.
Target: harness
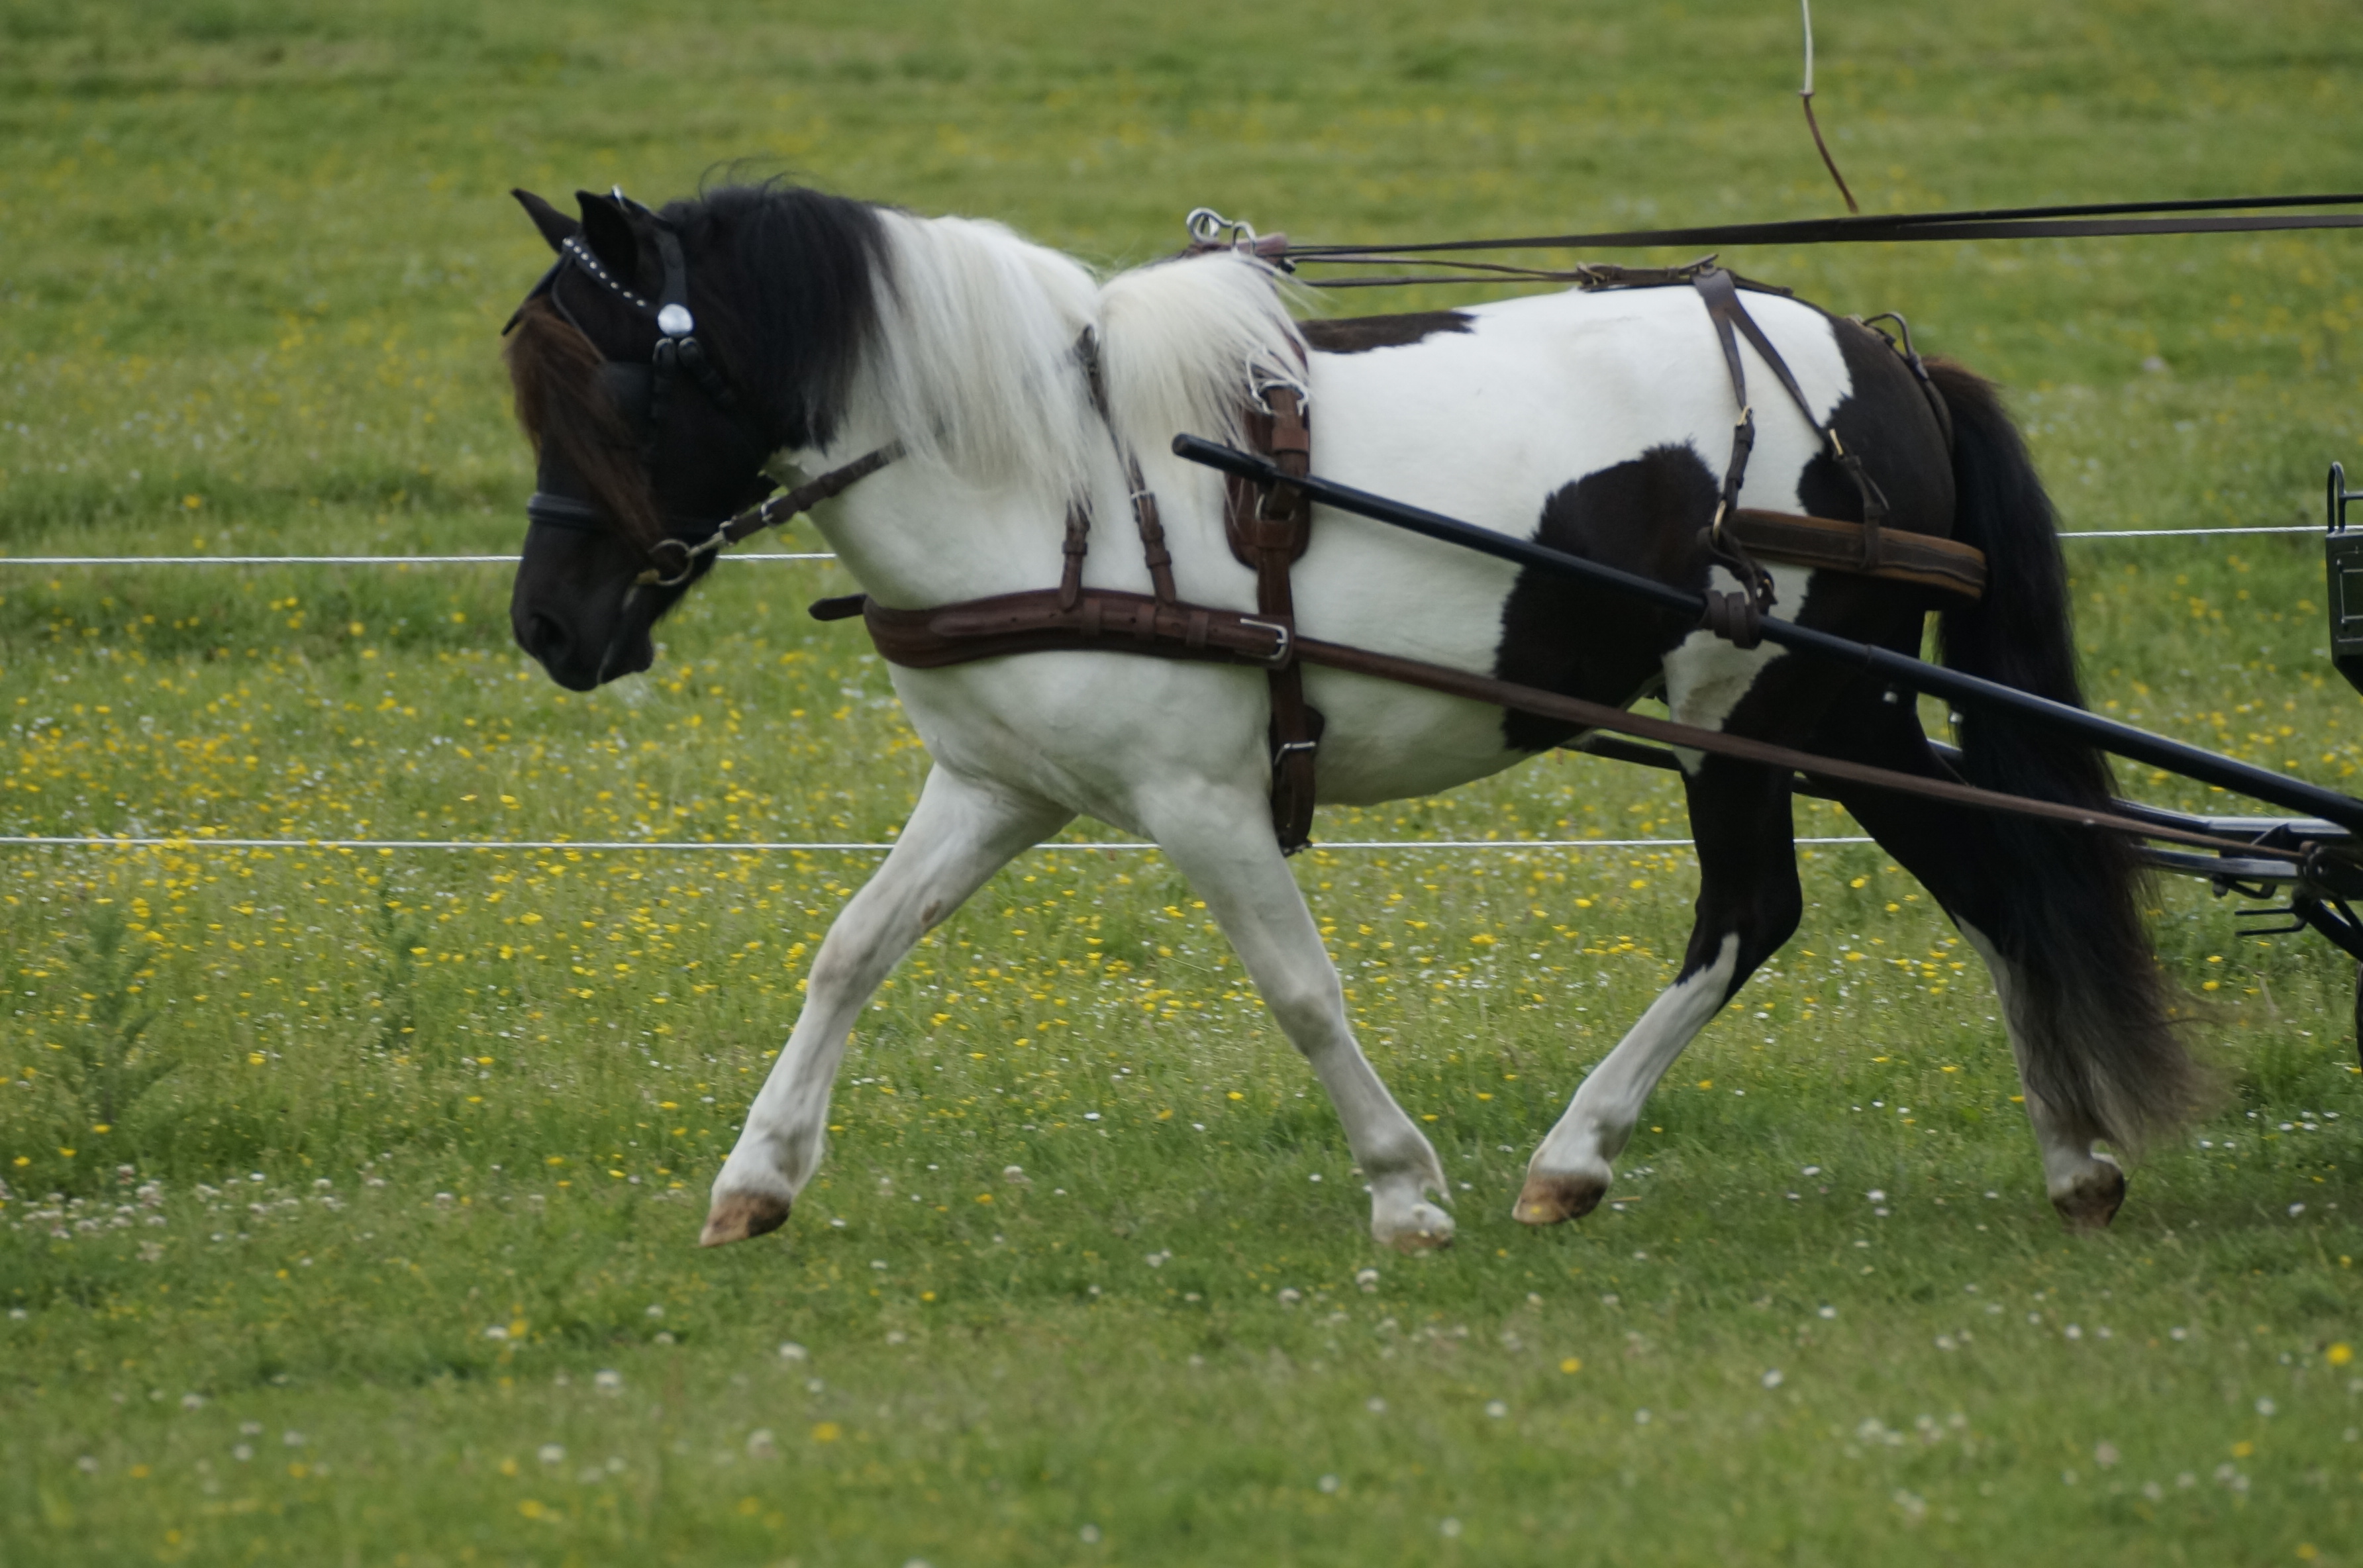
1269	528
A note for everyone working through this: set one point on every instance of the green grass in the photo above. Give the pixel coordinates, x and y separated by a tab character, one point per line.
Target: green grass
386	1103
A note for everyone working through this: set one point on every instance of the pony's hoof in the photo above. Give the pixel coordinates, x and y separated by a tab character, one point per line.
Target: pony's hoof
1548	1197
2093	1201
742	1216
1425	1229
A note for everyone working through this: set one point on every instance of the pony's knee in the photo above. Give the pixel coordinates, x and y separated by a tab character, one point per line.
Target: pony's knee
1307	1006
1763	921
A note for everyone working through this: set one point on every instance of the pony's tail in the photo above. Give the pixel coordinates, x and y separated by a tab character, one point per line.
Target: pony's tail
2091	1010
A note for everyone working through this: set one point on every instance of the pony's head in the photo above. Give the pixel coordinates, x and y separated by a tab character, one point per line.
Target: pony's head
658	366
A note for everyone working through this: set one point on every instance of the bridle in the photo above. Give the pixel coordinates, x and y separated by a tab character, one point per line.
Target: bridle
645	394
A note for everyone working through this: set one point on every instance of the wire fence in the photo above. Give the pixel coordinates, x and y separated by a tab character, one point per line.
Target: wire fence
760	846
752	556
338	560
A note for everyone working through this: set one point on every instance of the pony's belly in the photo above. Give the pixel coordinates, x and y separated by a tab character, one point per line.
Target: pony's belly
1384	742
1102	734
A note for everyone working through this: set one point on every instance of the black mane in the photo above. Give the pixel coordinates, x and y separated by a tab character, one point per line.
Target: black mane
784	281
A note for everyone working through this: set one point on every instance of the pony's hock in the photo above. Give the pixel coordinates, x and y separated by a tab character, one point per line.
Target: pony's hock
1615	486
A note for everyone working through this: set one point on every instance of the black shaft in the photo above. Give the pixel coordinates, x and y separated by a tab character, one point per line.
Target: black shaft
1881	664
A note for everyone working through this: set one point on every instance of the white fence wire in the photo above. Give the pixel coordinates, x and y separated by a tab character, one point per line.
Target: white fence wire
204	840
8	560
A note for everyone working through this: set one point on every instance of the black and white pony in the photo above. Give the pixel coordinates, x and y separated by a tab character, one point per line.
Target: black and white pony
1594	422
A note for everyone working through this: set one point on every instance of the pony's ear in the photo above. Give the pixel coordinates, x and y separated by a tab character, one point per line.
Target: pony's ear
555	225
613	234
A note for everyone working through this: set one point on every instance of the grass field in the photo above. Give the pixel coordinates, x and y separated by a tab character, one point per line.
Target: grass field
349	1196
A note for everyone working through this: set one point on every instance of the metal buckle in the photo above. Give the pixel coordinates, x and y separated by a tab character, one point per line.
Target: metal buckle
1282	750
1286	650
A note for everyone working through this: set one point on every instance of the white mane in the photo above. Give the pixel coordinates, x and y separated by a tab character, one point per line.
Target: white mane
974	367
1184	343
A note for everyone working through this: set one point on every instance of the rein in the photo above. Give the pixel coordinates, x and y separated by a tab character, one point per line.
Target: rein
2252	215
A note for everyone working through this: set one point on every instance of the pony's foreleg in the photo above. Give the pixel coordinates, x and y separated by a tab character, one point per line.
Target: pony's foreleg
961	833
1222	842
1749	904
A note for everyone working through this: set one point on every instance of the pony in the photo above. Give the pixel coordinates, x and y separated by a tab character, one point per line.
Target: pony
827	328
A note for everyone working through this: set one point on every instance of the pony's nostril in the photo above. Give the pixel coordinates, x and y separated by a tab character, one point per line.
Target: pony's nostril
548	640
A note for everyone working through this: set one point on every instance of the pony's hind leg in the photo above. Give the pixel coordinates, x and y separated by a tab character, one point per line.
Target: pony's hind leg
961	833
1222	842
1959	857
1749	904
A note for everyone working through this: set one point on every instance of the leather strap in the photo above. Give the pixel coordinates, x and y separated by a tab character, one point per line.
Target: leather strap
1715	288
1268	530
1721	294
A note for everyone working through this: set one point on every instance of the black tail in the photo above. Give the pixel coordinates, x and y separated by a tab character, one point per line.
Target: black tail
2092	1009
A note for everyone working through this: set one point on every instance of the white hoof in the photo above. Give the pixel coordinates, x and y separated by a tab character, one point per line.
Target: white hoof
1418	1227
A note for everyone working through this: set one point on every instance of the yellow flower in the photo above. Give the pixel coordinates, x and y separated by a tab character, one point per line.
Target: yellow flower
828	1431
1572	1364
2339	1354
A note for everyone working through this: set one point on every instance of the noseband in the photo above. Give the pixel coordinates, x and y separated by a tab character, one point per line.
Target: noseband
644	392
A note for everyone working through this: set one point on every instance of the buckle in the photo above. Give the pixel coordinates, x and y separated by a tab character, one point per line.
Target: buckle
655	577
1283	652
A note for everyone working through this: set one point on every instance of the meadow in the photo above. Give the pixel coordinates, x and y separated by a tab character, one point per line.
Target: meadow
347	1196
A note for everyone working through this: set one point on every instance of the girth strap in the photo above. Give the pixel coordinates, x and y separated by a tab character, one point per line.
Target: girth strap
1268	529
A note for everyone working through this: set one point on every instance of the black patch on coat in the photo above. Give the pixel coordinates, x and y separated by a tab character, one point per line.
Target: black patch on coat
1361	333
1886	420
1643	515
1646	516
